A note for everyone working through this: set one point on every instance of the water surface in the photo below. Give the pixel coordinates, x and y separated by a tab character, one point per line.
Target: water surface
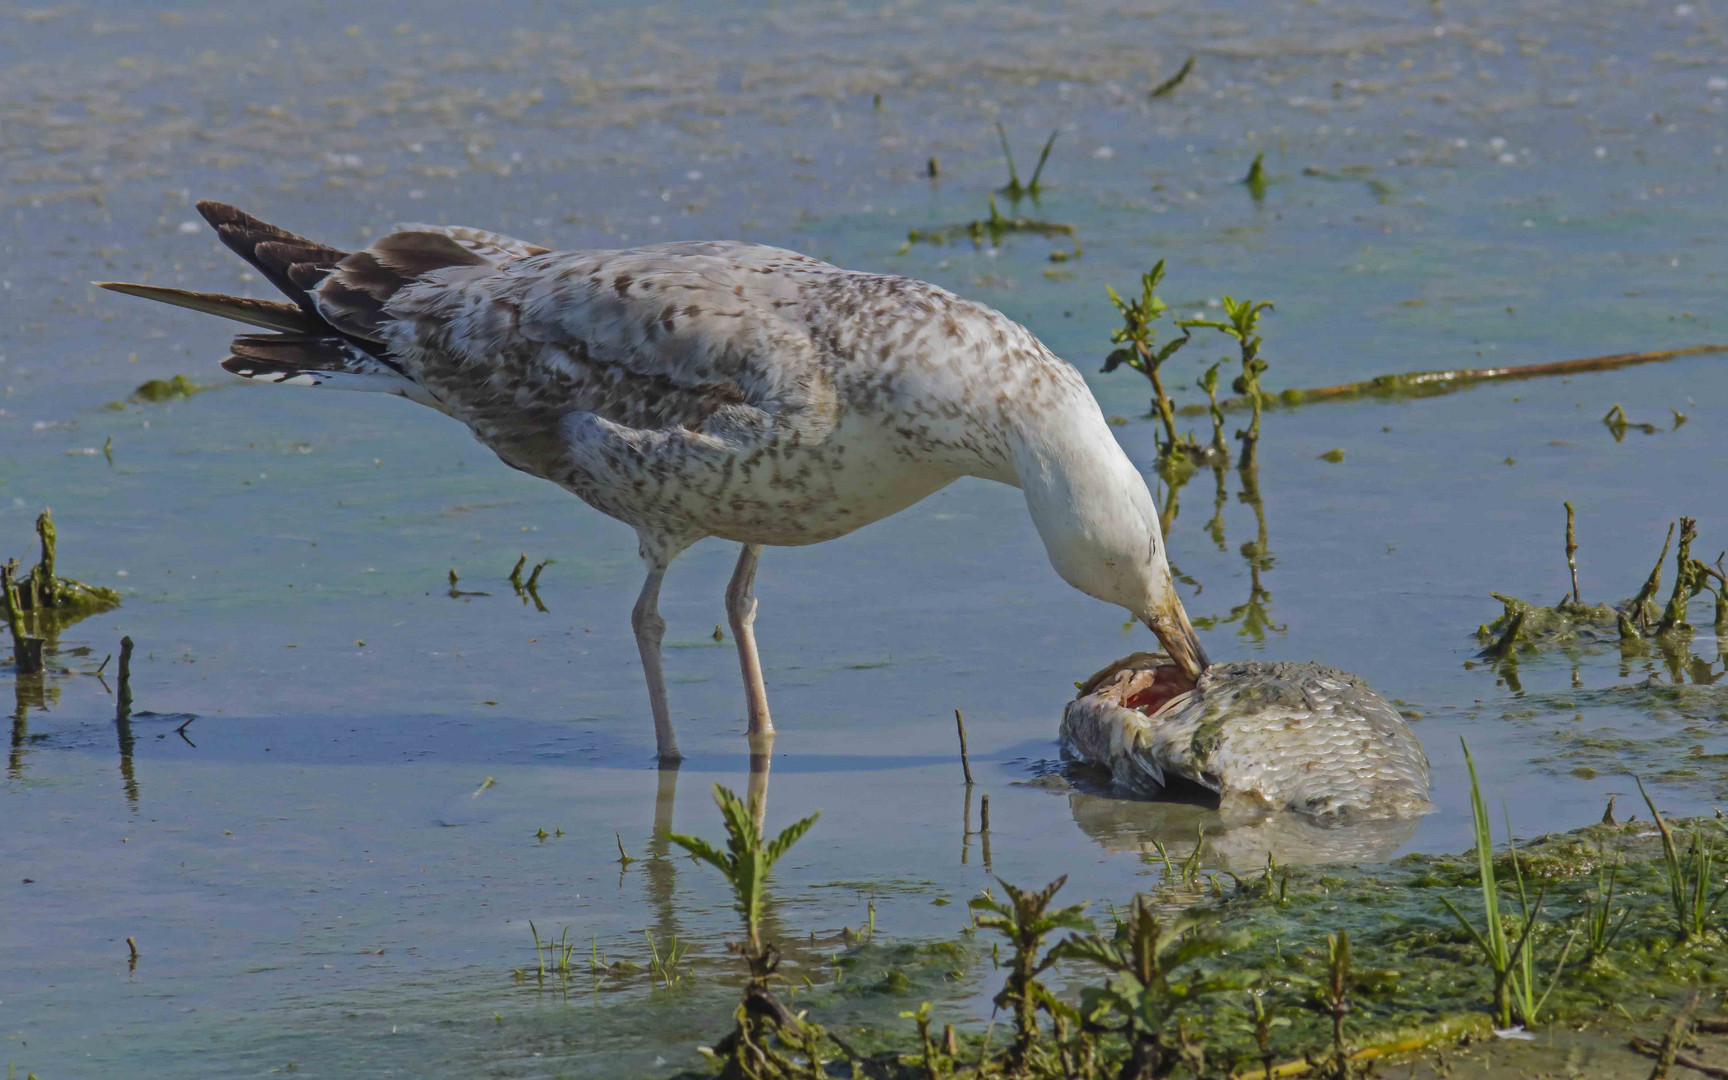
317	872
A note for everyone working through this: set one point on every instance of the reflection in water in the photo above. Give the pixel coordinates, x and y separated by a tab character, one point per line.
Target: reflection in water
756	790
1649	658
1255	615
1220	498
1231	843
660	868
966	828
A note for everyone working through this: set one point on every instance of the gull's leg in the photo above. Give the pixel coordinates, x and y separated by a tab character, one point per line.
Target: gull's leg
650	629
741	612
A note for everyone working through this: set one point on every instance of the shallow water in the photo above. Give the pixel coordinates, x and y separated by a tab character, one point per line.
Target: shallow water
314	873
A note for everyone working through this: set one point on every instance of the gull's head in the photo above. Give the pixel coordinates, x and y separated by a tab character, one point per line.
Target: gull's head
1098	521
1101	531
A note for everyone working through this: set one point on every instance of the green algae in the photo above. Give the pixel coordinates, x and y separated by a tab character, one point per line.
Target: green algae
992	228
40	603
1528	627
156	391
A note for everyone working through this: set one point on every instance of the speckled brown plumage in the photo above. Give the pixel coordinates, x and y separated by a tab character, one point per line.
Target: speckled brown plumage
712	388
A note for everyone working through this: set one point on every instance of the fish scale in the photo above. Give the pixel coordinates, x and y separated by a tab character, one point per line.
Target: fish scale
1265	736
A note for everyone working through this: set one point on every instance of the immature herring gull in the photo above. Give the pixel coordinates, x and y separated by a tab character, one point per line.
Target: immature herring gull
710	389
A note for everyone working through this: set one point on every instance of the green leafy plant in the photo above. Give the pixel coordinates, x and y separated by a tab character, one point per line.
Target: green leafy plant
745	864
1140	350
1334	998
1025	919
1242	324
1154	969
1209	383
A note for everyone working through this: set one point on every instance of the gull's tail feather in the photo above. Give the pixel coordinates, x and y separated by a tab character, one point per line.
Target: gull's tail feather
319	359
307	349
269	314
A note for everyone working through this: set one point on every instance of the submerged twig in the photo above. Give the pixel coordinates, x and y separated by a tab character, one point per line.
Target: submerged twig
1572	554
1640	609
1678	1031
1426	383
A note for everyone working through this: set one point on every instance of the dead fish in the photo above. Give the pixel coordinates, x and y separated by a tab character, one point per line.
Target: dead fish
1264	736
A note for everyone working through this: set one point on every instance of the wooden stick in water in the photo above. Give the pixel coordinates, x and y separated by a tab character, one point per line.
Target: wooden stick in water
965	765
26	650
1432	381
1572	555
123	700
1423	383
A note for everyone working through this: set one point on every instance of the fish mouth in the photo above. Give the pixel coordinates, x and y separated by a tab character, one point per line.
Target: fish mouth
1144	682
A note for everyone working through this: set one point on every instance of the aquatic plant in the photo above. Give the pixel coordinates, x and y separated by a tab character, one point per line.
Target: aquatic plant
1601	928
1208	382
529	590
1333	997
1242	324
745	864
1014	189
26	650
159	390
39	603
42	591
1523	625
665	967
1690	877
1154	969
1164	88
1618	425
1504	943
1024	920
552	955
1256	181
1140	350
1525	1001
993	228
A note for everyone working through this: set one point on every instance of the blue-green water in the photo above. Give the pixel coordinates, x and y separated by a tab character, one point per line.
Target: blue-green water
315	875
